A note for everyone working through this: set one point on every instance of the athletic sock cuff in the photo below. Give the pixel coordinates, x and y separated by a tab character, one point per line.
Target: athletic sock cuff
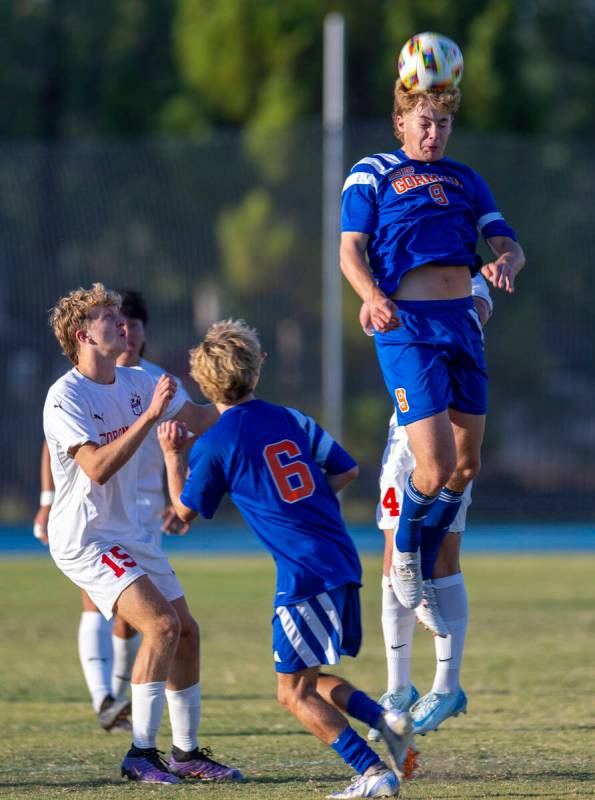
448	580
386	582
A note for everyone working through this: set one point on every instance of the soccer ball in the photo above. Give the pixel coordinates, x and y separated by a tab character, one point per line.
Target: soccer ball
429	61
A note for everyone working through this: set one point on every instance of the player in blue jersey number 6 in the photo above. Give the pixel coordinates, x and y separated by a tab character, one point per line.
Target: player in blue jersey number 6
282	471
415	214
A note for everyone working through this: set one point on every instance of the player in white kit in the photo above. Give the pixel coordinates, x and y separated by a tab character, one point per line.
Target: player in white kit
107	648
96	417
444	606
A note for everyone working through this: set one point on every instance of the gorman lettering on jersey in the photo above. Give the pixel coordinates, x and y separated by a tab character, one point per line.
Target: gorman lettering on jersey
408	182
110	436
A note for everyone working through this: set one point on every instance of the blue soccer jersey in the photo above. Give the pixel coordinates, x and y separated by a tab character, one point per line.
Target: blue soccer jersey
271	460
418	213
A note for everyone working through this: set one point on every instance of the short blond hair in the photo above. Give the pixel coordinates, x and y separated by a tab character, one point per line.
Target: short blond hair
445	101
226	364
71	314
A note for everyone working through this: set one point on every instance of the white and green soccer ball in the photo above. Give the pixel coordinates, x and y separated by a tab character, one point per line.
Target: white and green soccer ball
430	62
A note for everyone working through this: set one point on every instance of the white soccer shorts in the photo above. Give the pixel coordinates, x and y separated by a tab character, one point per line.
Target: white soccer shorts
397	463
105	568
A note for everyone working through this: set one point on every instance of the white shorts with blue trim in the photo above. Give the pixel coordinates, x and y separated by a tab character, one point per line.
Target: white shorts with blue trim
317	630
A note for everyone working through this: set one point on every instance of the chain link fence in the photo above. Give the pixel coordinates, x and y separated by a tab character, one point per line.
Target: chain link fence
230	226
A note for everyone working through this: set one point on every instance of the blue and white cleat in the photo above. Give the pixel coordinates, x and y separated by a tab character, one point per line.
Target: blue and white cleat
436	707
401	700
377	781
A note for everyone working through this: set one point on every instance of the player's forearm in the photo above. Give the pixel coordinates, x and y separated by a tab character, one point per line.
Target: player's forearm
175	469
340	481
198	418
357	271
46	477
510	251
100	463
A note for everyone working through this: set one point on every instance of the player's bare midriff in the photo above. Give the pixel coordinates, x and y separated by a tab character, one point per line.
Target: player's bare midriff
432	282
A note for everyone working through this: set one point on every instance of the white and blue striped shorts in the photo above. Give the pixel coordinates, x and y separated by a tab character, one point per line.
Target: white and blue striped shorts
318	630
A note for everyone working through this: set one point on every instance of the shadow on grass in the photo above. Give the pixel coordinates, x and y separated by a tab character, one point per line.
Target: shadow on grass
298	778
230	697
204	734
48	784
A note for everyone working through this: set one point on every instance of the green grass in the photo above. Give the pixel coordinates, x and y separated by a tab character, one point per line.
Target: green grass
529	673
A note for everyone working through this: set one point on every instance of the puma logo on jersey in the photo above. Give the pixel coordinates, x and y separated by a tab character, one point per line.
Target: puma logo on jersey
98	416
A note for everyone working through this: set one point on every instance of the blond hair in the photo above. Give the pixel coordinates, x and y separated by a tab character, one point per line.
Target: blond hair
226	364
71	314
445	101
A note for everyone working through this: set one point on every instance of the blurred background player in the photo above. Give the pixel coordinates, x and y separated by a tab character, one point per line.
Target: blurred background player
96	418
283	471
410	220
107	648
444	594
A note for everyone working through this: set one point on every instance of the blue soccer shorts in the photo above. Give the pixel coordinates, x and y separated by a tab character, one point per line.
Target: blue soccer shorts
435	360
317	630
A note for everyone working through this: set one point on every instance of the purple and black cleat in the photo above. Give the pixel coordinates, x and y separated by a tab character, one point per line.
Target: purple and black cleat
199	764
146	766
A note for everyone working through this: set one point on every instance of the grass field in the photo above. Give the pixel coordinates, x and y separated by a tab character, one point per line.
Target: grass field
529	673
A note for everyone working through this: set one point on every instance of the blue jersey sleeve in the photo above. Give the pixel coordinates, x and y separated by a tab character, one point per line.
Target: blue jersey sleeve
359	208
206	484
490	221
324	450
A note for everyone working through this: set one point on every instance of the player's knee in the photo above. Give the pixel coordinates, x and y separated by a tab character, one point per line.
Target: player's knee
286	697
467	471
433	477
190	632
167	628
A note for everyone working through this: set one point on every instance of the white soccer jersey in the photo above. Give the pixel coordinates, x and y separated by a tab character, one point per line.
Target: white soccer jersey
150	498
78	410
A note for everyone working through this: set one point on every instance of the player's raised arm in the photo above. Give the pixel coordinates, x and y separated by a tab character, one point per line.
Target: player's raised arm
172	438
100	462
510	260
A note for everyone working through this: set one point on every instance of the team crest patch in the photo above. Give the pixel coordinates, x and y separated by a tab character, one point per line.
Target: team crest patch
136	404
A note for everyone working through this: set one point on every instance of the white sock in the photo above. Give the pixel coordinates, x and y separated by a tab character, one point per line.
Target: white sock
184	715
398	624
95	653
147	709
125	651
451	596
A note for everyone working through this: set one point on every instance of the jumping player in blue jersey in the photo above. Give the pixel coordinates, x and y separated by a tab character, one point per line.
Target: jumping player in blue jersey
282	471
415	215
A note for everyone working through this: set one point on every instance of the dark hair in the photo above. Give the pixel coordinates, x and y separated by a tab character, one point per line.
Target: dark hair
133	305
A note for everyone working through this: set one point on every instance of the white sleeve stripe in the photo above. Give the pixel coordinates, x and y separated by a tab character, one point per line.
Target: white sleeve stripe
302	419
361	178
492	217
324	448
379	166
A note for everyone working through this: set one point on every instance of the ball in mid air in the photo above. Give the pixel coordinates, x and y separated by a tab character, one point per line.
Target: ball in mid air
430	62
